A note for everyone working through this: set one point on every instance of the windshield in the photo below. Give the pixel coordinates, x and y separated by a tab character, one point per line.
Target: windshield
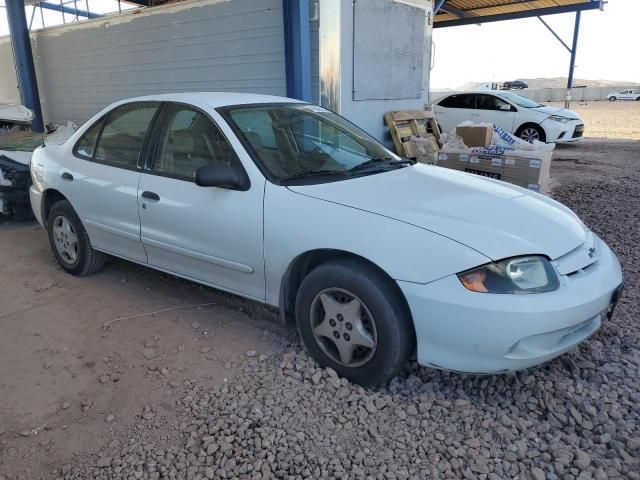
292	140
519	100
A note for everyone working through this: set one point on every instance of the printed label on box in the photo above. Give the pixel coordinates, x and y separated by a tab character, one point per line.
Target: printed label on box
496	162
474	159
442	156
464	157
509	161
482	173
535	163
534	186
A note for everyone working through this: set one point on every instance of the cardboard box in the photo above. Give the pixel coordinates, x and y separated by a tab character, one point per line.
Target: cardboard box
526	169
476	135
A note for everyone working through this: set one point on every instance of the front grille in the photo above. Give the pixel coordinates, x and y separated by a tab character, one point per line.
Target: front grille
579	131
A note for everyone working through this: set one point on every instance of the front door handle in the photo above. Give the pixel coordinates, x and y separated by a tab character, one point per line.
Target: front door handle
151	196
67	176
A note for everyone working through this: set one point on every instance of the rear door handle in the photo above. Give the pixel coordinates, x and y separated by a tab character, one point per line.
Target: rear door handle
151	196
67	176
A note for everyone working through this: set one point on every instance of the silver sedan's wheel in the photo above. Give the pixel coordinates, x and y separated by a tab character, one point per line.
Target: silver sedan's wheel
530	134
343	327
65	240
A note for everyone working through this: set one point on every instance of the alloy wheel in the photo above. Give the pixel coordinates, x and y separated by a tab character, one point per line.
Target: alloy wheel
65	240
343	327
530	134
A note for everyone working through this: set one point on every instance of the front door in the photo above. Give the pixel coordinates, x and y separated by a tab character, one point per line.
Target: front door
492	109
101	177
209	234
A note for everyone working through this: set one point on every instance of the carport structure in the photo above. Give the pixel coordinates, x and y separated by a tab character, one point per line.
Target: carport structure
298	48
453	13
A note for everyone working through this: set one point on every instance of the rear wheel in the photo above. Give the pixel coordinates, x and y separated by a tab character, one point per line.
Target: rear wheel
531	132
70	242
351	319
612	99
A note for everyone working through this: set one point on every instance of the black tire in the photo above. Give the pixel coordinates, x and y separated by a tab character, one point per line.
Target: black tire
88	260
612	99
395	337
638	99
521	132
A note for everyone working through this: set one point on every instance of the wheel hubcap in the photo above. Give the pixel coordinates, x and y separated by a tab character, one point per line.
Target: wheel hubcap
65	240
343	327
529	135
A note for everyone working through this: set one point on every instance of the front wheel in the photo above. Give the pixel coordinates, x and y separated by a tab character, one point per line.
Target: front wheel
529	133
612	99
350	318
70	242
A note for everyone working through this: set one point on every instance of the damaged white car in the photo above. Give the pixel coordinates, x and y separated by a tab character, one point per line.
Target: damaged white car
373	257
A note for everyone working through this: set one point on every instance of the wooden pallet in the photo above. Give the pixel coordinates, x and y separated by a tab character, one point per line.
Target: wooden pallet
404	124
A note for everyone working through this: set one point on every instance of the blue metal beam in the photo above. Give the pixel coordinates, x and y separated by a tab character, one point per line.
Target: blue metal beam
23	59
438	6
297	43
572	63
537	12
69	10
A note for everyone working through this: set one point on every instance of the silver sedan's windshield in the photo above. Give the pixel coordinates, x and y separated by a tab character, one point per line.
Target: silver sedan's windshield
295	140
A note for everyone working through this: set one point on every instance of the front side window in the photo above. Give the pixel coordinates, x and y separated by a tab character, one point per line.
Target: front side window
125	128
463	100
190	140
491	102
292	140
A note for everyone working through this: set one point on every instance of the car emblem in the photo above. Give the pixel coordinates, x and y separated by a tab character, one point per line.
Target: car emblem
592	252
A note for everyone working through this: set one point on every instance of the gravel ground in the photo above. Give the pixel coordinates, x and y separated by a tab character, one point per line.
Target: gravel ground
283	417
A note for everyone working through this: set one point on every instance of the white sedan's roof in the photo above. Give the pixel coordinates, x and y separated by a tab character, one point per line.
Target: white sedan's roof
215	99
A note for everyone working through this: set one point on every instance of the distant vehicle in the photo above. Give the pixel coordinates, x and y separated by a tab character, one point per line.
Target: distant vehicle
524	118
515	85
624	95
488	86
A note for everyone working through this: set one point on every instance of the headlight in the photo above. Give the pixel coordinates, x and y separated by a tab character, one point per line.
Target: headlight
557	118
518	275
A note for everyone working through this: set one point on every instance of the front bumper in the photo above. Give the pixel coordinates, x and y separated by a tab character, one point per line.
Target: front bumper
557	132
460	330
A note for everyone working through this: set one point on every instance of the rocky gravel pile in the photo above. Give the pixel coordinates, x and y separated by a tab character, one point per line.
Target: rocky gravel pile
577	417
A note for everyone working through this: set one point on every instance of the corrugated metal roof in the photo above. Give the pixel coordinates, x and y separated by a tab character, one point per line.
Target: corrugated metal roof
458	12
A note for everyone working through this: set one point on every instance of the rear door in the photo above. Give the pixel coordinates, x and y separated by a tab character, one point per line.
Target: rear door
209	234
625	95
492	109
454	110
100	178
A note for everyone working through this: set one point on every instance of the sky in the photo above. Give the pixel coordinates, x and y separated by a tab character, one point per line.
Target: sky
607	48
500	51
52	18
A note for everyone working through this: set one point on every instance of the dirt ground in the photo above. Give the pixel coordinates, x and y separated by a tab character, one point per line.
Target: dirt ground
70	370
85	362
619	120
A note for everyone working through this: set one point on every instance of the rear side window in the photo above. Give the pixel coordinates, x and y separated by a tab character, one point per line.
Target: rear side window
87	142
117	138
458	101
124	131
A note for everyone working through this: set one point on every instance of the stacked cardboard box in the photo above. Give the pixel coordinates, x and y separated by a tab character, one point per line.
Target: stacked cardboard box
525	168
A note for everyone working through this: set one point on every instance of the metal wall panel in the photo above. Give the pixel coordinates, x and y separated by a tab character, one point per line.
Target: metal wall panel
8	81
213	45
387	50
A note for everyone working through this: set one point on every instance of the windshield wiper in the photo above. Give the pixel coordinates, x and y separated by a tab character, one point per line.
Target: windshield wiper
313	173
380	164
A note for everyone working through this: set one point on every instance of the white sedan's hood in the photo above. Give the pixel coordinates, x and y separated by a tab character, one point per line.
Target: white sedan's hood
562	112
492	217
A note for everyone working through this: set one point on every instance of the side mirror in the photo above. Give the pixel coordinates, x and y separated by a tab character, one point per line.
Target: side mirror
223	176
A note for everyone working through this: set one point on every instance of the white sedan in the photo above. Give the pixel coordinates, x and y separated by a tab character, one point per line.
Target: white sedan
373	257
515	113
